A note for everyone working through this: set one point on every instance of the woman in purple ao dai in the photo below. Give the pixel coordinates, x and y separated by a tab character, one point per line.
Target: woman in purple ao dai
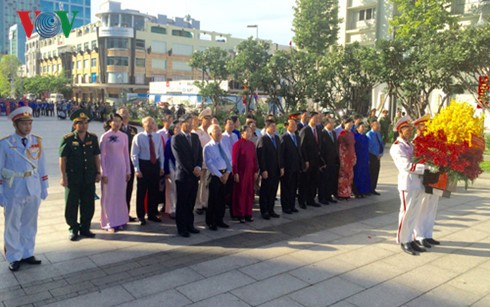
115	174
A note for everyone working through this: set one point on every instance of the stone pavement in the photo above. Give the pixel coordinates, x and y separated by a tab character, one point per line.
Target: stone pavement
343	254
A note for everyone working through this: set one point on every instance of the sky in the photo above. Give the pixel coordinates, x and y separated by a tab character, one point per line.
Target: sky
273	17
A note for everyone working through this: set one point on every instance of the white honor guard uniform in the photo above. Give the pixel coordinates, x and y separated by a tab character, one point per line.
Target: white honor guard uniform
23	183
424	223
409	184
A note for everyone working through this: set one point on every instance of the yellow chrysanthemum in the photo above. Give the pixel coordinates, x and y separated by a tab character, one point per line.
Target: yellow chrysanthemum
458	123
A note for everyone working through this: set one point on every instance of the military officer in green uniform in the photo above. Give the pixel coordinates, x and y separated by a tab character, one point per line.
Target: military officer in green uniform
80	170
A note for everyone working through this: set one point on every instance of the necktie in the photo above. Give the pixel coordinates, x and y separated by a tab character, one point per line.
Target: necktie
273	139
331	136
153	156
188	137
24	141
224	157
314	133
379	144
294	140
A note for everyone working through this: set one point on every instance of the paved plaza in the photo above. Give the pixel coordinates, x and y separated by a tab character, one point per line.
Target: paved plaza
342	254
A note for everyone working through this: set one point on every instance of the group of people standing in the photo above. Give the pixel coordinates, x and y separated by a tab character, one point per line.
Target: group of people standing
191	163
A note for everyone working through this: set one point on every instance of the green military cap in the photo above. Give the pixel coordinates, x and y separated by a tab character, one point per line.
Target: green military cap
80	115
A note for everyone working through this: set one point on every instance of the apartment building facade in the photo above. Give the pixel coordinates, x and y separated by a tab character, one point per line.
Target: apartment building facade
366	21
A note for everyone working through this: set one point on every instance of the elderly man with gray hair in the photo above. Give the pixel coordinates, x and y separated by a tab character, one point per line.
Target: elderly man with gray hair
219	167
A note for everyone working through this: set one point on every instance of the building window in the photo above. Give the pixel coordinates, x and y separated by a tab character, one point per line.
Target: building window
94	44
117	60
140	44
85	46
367	14
94	78
117	43
117	77
85	63
181	49
126	21
158	47
181	66
79	47
140	62
59	67
158	30
158	64
182	33
79	64
94	62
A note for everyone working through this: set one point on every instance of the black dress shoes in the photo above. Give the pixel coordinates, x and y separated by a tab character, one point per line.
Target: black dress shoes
132	219
14	266
331	200
324	202
142	222
73	236
423	243
274	215
223	225
184	234
314	205
294	210
287	211
407	248
302	206
432	241
155	219
375	193
194	230
31	260
87	234
266	216
417	248
212	227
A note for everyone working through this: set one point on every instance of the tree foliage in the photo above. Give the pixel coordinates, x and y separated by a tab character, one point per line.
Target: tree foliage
9	67
249	66
416	62
212	62
316	25
289	76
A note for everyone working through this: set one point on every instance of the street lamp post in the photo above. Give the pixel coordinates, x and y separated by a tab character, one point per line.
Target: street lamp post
256	30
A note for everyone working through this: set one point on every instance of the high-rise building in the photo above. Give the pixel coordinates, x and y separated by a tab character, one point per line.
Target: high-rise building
17	42
9	17
82	7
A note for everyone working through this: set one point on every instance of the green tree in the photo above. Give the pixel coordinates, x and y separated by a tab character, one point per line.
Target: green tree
9	67
316	25
289	76
413	65
212	62
249	66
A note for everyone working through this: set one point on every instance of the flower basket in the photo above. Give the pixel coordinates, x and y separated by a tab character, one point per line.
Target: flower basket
445	184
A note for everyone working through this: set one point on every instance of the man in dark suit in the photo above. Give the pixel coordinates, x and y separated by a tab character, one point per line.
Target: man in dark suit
268	158
130	131
303	120
310	152
329	174
290	163
187	151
